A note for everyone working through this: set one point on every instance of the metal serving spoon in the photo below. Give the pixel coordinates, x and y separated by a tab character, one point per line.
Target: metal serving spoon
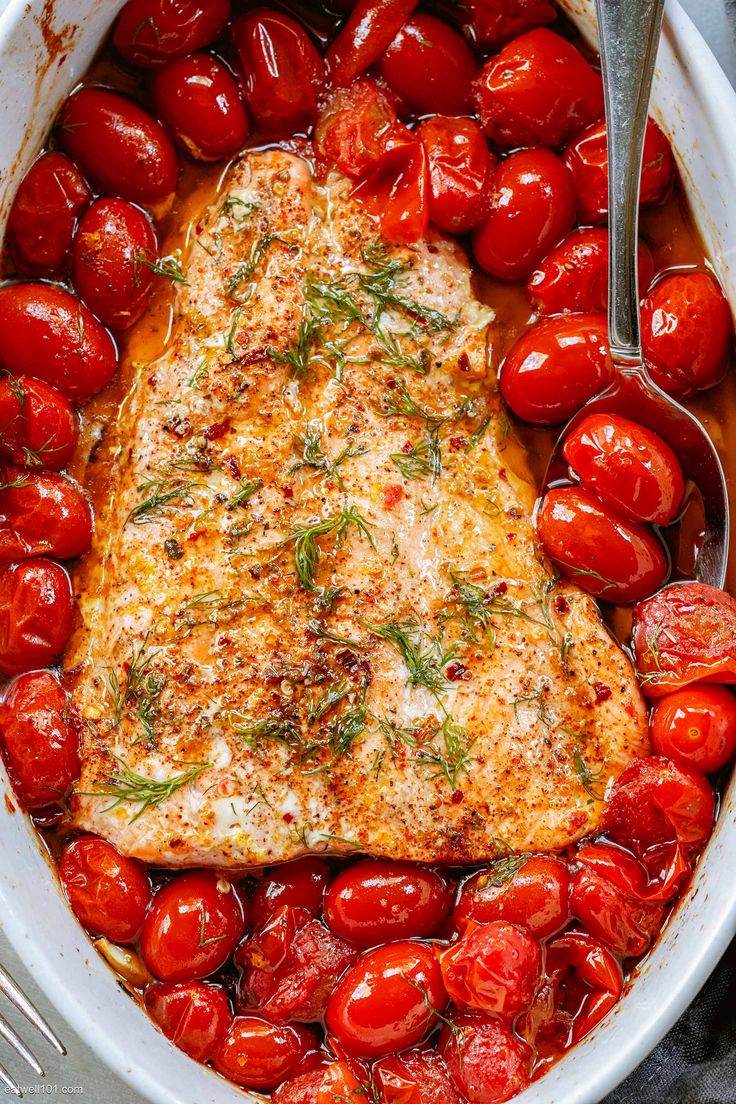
629	32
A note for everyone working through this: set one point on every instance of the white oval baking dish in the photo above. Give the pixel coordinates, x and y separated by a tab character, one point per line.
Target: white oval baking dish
45	47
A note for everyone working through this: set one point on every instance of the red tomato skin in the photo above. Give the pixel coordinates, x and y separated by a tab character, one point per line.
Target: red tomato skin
378	1007
396	192
430	67
628	466
620	922
198	101
120	147
574	275
496	22
258	1055
48	333
610	557
40	740
587	159
596	968
108	892
194	1015
414	1077
332	1083
536	897
378	902
300	884
539	90
494	968
283	70
36	608
696	727
172	941
366	35
488	1063
687	332
461	171
532	206
50	198
149	33
39	427
356	127
656	801
45	514
556	366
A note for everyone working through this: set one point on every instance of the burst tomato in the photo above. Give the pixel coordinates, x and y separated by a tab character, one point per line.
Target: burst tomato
396	192
377	902
198	100
487	1062
414	1077
300	884
40	739
356	127
36	608
496	22
50	198
619	919
39	427
45	514
368	32
333	1083
657	801
151	32
574	275
461	169
494	967
696	727
531	892
430	67
194	1015
259	1055
586	981
108	892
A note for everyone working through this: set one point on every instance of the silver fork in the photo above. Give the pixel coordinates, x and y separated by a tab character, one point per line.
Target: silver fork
17	997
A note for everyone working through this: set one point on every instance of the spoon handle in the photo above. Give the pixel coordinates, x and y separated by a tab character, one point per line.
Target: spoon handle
628	32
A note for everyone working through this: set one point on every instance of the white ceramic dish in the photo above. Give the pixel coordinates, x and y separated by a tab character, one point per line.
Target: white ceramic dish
45	47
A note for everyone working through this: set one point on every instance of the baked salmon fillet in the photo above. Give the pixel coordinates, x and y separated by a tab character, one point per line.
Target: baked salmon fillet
316	616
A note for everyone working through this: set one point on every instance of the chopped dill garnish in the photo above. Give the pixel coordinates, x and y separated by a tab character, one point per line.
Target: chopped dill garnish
307	551
319	631
318	706
309	446
169	267
230	338
424	655
591	781
163	494
453	758
244	493
255	733
424	459
128	785
477	608
579	572
502	870
239	210
248	268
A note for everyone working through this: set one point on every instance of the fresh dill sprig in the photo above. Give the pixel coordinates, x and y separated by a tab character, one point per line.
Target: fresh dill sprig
318	706
309	446
453	758
244	493
169	267
128	786
282	730
248	268
423	654
423	460
163	494
590	780
320	632
502	870
305	538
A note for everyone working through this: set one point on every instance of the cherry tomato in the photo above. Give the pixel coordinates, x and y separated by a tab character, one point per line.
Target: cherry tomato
357	126
574	276
194	925
496	22
618	919
114	249
461	170
194	1015
604	553
45	514
284	72
300	884
430	67
259	1055
396	192
487	1062
538	90
656	801
414	1077
38	426
685	634
696	727
331	1084
198	100
50	198
40	739
686	332
121	148
377	902
532	206
587	981
532	892
367	34
46	332
36	608
556	366
587	159
383	1004
149	33
495	967
108	892
628	466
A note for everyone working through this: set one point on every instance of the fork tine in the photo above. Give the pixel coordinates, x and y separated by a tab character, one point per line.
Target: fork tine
17	997
7	1033
8	1081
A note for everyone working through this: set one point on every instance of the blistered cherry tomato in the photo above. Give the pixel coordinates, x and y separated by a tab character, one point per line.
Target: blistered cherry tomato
413	1077
620	919
368	32
284	72
574	276
383	1004
151	32
461	169
356	127
494	967
533	893
656	801
696	727
122	149
396	192
198	100
330	1084
40	739
109	893
193	927
604	553
587	158
686	332
496	22
538	90
556	366
49	200
38	426
377	902
430	67
259	1055
113	251
685	634
45	514
628	466
300	884
532	206
46	332
487	1062
587	981
194	1015
36	608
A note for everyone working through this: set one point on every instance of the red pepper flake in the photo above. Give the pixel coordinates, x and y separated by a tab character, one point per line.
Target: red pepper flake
194	535
502	475
458	443
287	818
216	430
463	362
407	446
561	604
392	495
288	492
457	671
500	587
233	467
602	692
458	797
